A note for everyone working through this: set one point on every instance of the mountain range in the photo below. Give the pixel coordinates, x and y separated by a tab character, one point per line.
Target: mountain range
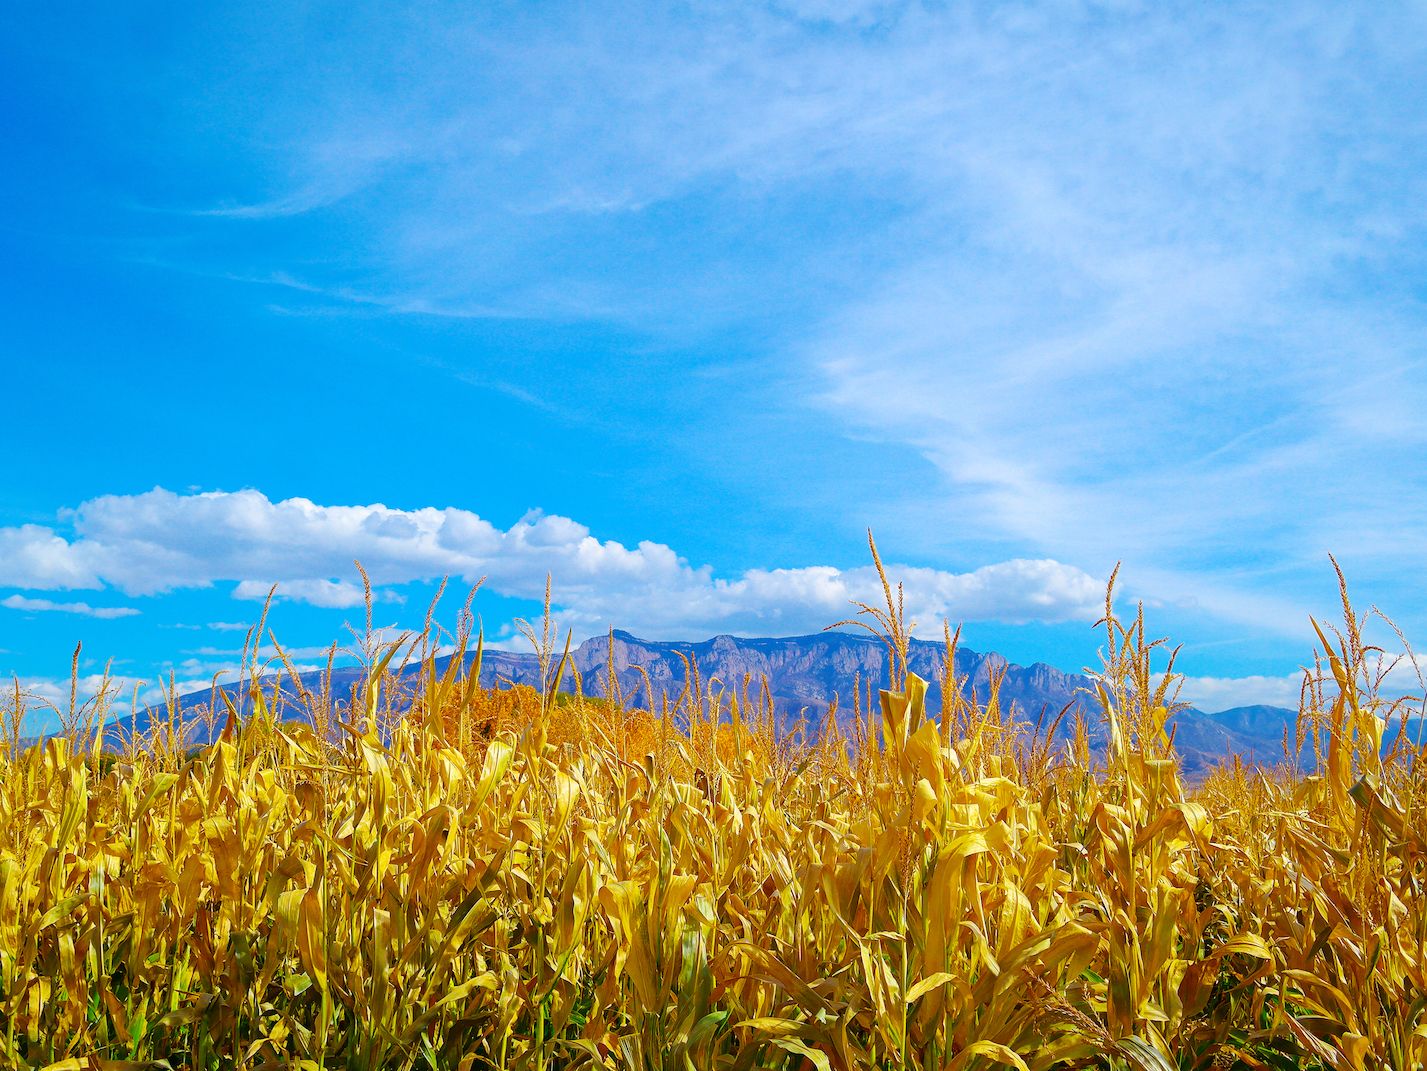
804	673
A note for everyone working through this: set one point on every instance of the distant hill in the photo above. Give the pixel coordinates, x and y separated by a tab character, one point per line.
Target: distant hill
804	673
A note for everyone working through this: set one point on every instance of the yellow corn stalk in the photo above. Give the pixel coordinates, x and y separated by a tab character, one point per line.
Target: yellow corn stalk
530	879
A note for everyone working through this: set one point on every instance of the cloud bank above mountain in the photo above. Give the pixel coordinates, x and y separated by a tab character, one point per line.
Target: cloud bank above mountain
159	541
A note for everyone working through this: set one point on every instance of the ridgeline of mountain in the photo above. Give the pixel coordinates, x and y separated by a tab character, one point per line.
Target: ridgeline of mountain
804	673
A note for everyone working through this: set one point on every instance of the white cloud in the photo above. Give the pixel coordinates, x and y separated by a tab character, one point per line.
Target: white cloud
1130	281
1395	678
333	594
1098	264
44	697
1220	693
32	556
296	654
54	691
228	671
160	541
1137	282
20	602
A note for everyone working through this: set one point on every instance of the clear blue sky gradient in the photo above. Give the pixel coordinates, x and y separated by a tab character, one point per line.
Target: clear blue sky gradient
1065	284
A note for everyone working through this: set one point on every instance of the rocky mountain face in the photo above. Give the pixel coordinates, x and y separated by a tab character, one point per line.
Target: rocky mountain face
804	673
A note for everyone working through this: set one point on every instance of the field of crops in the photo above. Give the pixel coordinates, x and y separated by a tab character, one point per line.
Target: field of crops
520	880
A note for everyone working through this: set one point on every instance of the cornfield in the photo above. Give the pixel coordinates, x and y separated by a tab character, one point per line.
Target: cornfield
466	878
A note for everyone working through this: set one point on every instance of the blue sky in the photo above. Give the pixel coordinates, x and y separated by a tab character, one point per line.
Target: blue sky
675	302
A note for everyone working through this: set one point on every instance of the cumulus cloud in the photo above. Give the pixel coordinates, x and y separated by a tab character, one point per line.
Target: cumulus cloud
36	557
1395	677
21	602
160	541
333	594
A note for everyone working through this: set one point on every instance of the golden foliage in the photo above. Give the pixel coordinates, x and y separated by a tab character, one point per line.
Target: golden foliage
524	878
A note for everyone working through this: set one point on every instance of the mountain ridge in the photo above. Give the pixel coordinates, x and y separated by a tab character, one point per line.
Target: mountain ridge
805	673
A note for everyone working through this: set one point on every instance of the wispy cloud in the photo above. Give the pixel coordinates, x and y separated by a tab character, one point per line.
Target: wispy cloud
267	651
1107	280
1145	315
1136	282
46	606
316	591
